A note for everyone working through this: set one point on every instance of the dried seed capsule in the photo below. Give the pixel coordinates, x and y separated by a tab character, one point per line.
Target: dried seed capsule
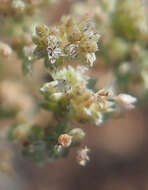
65	140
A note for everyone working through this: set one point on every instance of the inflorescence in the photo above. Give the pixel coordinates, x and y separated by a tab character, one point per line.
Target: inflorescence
68	50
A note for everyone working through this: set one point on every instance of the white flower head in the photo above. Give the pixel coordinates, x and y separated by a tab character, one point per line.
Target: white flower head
126	100
74	76
53	49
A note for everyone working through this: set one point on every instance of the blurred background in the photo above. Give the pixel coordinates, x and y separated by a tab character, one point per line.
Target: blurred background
119	153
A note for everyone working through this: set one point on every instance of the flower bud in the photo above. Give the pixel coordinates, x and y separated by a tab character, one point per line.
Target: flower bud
41	30
77	135
72	50
75	35
89	46
126	100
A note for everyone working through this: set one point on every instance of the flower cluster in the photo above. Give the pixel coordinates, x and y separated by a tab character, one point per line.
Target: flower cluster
67	95
124	36
68	51
71	101
70	40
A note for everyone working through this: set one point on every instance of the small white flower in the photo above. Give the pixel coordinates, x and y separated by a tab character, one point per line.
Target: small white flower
72	50
82	156
90	58
126	100
54	52
71	75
